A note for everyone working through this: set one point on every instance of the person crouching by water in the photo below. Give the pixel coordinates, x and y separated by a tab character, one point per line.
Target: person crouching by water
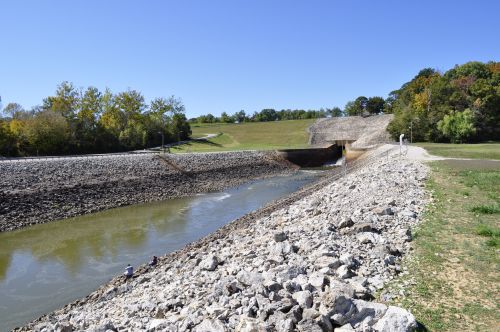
153	261
129	272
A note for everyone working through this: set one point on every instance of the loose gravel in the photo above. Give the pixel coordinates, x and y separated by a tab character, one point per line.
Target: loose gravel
41	190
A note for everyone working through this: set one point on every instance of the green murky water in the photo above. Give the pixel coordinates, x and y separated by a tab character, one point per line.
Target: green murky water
47	266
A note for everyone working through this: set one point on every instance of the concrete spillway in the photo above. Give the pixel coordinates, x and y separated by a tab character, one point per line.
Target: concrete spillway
359	132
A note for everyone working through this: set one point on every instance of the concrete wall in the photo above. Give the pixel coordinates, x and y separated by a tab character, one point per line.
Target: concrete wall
313	157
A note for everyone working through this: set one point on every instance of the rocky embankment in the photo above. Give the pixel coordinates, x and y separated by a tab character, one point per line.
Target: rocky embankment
313	265
41	190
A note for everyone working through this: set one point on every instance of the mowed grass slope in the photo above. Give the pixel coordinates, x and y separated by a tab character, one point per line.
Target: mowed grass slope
249	136
474	151
453	282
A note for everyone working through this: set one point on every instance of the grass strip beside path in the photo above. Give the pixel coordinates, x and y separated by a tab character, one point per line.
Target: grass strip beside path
474	151
453	282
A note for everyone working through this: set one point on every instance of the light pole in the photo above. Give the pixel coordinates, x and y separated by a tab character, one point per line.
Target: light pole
417	121
162	140
411	131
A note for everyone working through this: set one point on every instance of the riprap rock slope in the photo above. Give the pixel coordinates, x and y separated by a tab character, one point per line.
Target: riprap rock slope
312	266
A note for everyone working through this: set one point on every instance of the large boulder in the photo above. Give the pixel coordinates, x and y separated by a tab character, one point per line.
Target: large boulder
396	319
209	263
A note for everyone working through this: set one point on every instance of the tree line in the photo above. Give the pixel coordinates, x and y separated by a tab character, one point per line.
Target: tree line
268	114
361	106
76	121
460	105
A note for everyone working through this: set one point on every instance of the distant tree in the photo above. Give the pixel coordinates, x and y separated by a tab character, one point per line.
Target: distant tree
14	110
240	116
87	136
131	103
113	119
90	107
426	72
65	102
267	114
356	107
8	146
458	126
176	105
474	69
180	127
209	118
225	118
336	112
375	105
48	133
158	119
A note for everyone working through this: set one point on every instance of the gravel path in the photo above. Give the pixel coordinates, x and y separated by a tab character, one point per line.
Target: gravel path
41	190
311	264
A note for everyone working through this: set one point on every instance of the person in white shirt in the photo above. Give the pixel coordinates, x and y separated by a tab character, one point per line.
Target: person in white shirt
129	272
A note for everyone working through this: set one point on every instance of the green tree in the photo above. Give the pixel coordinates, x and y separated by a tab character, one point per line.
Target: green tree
225	118
88	138
336	112
90	107
458	126
180	127
14	110
47	133
240	116
8	143
113	119
356	107
65	101
375	105
267	114
131	104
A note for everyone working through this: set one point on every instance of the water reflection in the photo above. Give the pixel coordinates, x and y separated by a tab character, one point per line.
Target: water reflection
46	266
96	235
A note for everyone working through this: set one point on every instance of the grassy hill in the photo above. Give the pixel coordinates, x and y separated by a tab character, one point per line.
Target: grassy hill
249	136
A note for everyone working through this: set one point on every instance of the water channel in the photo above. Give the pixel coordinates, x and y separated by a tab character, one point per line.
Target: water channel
46	266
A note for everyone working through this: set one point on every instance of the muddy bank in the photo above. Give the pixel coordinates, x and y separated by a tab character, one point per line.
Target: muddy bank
38	191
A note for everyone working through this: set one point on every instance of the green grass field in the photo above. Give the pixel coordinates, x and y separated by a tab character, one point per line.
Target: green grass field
249	136
474	151
454	271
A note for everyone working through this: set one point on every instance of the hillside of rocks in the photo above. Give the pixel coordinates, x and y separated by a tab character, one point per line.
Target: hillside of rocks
313	265
41	190
362	132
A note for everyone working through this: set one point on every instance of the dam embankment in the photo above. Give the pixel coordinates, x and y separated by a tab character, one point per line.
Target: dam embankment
36	191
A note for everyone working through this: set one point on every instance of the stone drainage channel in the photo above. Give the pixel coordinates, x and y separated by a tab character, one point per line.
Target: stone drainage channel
46	266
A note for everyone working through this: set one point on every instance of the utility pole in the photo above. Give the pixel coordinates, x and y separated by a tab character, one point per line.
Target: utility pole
411	131
162	141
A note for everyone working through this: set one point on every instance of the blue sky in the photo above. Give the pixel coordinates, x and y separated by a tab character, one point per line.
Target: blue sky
231	55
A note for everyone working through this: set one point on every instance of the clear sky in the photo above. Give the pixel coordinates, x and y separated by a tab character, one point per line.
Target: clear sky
231	55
